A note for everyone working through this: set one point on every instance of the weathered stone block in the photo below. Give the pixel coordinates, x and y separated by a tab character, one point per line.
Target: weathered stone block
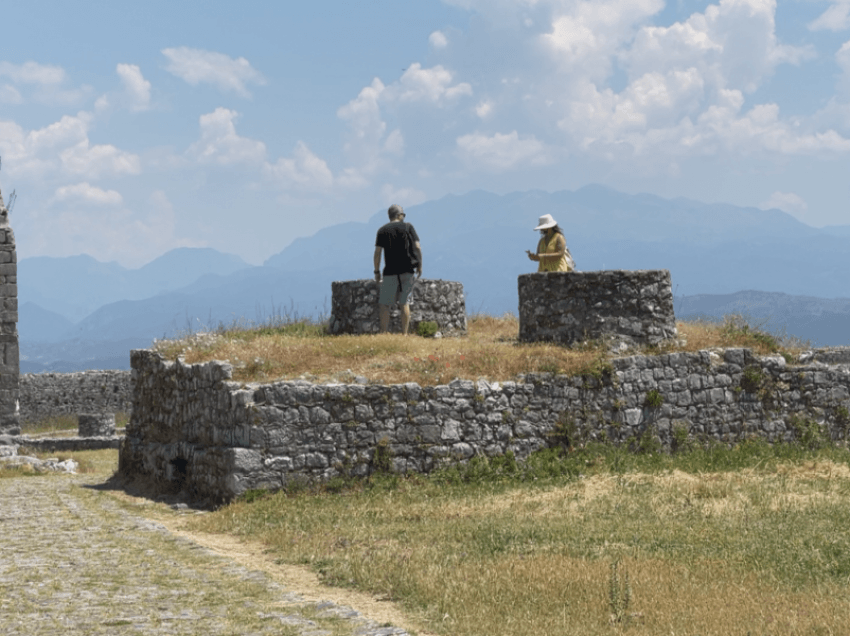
634	307
96	424
354	307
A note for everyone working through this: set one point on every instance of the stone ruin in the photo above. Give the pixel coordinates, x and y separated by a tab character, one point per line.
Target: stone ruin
630	308
9	352
194	430
354	307
96	424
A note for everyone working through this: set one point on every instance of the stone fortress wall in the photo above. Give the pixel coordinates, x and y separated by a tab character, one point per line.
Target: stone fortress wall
191	425
354	307
44	395
9	352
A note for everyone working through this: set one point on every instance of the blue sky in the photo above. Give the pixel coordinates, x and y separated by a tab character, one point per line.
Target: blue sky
128	129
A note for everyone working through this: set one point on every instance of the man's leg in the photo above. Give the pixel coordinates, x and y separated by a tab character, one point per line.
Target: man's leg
385	318
405	284
386	297
405	318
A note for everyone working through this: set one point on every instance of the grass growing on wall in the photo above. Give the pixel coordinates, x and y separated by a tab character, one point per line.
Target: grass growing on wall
303	350
709	541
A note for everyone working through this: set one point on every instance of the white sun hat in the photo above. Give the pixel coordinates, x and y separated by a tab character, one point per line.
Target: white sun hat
546	221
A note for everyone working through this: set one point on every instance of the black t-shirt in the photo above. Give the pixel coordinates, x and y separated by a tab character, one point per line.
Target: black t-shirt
398	240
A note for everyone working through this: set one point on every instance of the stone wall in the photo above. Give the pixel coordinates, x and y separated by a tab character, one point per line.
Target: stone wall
635	308
217	438
44	395
354	307
9	352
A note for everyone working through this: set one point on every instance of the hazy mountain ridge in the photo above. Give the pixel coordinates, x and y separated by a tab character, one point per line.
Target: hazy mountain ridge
75	286
712	251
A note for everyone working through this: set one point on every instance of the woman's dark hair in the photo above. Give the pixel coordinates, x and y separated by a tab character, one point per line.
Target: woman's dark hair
556	229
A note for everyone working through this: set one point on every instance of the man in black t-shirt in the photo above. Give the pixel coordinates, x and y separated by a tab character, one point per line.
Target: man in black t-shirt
399	244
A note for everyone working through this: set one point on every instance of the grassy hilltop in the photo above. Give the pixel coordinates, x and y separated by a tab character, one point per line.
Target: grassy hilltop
302	350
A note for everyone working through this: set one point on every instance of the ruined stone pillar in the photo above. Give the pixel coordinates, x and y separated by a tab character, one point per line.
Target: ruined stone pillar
10	368
629	307
354	307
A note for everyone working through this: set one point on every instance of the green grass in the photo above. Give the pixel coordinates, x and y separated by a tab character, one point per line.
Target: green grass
712	541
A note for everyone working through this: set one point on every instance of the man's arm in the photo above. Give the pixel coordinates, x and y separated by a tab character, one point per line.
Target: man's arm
377	262
418	249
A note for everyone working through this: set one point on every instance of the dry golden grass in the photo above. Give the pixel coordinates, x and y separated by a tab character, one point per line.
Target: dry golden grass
740	552
491	351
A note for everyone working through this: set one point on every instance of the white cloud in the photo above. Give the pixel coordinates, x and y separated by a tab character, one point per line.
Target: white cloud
33	73
196	66
62	148
403	196
86	193
835	18
352	179
369	147
394	143
610	126
108	231
586	36
86	160
45	83
304	170
505	14
365	144
426	84
484	109
502	152
842	58
686	83
10	95
732	44
136	88
438	40
785	201
364	112
761	130
220	144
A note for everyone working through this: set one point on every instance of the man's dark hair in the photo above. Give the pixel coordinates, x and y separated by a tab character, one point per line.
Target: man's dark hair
395	211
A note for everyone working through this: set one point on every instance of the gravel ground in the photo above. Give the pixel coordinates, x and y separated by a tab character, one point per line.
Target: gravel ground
73	561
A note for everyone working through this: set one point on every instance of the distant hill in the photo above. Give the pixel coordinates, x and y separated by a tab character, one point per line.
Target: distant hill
822	322
79	355
76	286
837	230
479	239
36	324
251	295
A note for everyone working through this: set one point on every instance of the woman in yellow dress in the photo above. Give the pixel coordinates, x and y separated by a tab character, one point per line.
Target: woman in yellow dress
552	252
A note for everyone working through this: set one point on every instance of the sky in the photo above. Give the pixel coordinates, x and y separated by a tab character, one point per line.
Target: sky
131	128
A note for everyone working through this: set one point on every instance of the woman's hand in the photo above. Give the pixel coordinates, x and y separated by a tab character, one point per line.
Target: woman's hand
532	256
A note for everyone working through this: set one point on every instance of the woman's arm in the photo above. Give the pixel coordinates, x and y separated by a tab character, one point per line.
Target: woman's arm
561	246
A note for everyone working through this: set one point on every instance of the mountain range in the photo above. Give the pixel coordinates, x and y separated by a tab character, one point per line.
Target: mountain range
79	313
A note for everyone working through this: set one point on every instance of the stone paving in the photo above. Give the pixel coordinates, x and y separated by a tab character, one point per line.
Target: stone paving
73	561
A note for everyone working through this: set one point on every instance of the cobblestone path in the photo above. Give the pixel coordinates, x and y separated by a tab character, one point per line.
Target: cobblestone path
73	561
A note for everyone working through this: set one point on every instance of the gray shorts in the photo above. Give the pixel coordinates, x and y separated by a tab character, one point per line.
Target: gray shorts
396	288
